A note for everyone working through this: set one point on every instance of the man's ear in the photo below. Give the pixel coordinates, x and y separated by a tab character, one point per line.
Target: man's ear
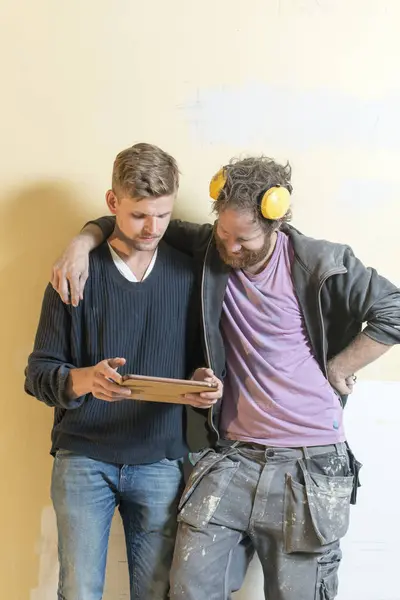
112	201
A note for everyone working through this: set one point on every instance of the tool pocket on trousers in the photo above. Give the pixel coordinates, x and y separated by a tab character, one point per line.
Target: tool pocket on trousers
205	488
316	513
355	467
327	578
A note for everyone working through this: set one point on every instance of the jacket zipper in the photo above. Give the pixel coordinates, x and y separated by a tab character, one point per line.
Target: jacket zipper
321	318
321	323
207	350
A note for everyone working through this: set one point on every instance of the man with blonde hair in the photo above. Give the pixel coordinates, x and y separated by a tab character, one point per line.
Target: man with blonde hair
138	315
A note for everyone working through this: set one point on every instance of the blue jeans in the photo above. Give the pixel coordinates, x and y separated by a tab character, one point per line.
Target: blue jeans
85	493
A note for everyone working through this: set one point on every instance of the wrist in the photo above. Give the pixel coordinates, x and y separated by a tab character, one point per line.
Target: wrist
84	242
79	382
337	370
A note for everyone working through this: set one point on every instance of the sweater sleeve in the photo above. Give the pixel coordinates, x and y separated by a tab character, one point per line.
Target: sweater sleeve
49	364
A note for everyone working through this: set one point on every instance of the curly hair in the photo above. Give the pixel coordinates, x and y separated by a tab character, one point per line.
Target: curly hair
246	179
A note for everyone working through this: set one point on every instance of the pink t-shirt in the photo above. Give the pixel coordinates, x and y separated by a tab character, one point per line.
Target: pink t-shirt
275	392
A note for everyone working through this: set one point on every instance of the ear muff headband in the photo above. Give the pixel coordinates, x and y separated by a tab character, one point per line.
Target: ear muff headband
273	202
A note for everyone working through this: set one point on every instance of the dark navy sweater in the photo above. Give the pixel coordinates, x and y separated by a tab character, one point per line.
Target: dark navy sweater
153	324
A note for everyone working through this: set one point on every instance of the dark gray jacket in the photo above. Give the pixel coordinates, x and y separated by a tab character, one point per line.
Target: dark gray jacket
336	292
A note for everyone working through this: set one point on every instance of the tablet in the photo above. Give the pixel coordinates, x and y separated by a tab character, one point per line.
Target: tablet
161	389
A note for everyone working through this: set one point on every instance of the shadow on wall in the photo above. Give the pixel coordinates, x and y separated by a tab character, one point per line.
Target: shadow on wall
35	221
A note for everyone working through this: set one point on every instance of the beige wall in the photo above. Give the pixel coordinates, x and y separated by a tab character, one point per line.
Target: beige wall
315	81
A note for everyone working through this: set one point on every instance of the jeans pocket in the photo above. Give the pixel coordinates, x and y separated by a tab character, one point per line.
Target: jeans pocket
176	463
205	488
317	513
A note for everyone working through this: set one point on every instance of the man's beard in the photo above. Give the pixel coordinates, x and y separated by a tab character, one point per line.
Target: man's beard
245	259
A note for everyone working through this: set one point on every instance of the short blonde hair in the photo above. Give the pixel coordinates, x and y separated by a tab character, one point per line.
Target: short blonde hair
144	171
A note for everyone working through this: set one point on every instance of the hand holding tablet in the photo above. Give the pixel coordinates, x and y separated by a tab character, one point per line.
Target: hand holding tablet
160	389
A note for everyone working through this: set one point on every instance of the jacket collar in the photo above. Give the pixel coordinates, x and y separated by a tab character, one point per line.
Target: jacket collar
319	257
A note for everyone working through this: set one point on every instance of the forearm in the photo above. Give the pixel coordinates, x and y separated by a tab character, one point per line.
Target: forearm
362	351
98	230
90	237
71	270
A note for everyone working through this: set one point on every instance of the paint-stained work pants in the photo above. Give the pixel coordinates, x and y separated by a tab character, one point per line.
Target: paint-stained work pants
294	506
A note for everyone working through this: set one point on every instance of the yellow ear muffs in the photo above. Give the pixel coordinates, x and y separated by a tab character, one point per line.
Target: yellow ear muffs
274	203
217	184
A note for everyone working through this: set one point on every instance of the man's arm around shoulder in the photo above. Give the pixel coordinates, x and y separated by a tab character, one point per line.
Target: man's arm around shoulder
183	235
189	238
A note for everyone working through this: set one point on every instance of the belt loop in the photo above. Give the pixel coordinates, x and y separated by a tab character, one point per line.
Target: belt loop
305	452
227	450
341	449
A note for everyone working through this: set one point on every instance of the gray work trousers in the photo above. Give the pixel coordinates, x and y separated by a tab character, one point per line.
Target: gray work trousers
294	506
